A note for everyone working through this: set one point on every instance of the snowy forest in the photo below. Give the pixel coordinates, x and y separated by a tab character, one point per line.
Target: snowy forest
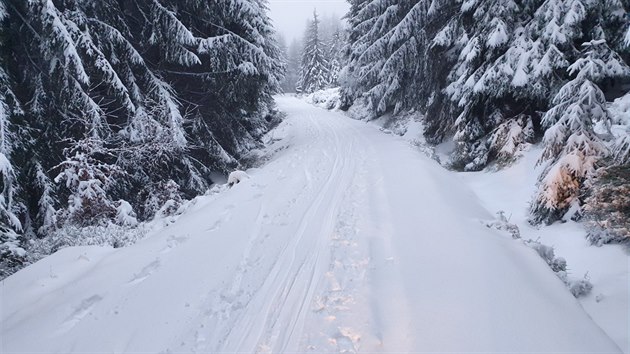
314	61
332	176
111	111
495	76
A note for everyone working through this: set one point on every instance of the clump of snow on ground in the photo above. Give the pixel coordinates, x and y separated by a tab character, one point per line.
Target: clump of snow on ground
237	177
125	215
328	98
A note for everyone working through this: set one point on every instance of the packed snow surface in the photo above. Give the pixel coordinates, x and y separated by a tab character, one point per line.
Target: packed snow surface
347	240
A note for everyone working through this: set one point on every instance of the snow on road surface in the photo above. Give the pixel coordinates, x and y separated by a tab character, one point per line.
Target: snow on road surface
346	241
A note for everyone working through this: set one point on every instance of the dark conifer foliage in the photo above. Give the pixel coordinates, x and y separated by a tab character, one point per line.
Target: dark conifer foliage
101	102
293	58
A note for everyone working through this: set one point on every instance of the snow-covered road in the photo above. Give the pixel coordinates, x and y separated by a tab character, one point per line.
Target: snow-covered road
347	240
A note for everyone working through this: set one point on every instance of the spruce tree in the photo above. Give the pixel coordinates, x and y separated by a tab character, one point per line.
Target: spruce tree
293	66
12	253
334	56
572	148
387	53
314	68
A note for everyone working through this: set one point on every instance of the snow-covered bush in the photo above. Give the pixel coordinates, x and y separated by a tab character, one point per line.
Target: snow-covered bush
503	224
162	199
579	287
108	234
557	264
88	181
607	208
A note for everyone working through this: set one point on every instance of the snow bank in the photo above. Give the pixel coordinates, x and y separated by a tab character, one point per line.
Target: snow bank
606	267
328	99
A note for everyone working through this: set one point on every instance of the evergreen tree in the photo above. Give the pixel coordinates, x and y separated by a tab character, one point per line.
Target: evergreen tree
285	84
571	146
350	89
293	66
114	97
314	69
387	54
334	57
332	38
12	253
488	27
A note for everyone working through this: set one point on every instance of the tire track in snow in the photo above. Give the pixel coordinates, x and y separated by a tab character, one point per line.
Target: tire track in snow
283	299
335	325
360	305
295	299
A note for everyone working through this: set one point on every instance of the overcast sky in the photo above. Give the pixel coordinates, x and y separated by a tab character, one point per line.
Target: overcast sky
289	16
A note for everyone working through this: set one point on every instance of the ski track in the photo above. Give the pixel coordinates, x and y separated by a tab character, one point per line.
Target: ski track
322	250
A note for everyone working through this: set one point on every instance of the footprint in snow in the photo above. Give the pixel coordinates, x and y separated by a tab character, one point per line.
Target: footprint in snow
172	242
79	313
347	340
225	216
145	272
